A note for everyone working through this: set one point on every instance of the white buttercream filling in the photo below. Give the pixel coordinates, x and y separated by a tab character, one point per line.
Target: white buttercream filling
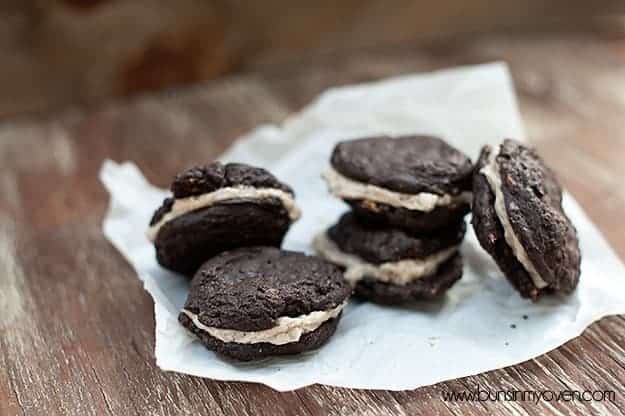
399	272
346	188
286	330
183	206
493	177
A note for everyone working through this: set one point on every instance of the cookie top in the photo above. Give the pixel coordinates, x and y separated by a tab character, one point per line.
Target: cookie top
200	180
249	288
406	164
533	203
203	179
380	244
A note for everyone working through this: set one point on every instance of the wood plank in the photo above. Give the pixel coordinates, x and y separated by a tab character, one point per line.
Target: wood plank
77	328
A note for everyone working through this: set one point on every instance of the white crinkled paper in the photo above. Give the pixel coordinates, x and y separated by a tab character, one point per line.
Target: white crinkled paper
376	347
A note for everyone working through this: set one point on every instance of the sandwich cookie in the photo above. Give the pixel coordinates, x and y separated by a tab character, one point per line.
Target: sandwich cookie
519	220
255	302
388	265
418	183
219	207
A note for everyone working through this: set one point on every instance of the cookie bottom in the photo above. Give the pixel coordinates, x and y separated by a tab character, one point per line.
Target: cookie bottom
248	352
425	288
186	242
409	220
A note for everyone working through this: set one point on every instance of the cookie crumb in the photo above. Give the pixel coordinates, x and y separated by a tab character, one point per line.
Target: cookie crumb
432	341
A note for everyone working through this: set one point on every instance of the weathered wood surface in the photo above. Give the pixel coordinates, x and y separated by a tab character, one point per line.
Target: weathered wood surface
76	327
83	51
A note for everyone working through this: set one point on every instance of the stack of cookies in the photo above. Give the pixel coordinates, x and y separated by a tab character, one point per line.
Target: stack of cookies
408	197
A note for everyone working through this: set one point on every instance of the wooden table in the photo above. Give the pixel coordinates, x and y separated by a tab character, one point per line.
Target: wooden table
76	327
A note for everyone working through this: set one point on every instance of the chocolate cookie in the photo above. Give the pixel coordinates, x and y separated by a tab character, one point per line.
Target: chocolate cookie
418	183
220	207
388	265
253	302
519	220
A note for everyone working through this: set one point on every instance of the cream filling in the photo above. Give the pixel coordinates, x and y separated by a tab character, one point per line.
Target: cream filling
285	331
397	272
183	206
343	187
491	172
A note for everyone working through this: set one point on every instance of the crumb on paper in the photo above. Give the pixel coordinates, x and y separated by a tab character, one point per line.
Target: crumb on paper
433	340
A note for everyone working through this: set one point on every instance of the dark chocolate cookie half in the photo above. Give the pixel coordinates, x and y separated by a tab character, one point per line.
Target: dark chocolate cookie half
371	212
203	179
216	208
261	296
425	288
407	164
526	230
378	244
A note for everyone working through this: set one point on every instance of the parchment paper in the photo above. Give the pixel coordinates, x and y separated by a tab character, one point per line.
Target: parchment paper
480	324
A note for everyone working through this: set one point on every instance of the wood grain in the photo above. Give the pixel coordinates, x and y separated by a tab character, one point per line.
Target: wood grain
76	327
62	52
